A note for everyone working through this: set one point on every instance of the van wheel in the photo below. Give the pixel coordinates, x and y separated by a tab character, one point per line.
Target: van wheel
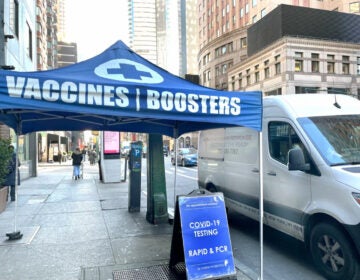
333	254
211	188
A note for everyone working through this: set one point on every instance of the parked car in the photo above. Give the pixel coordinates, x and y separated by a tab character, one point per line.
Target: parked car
166	151
185	157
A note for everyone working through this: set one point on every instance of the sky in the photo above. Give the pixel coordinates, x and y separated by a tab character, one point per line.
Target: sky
95	25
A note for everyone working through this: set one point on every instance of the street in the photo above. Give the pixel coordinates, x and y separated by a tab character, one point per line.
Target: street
284	257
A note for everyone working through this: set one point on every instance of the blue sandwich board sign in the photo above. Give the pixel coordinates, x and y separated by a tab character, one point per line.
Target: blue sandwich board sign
205	237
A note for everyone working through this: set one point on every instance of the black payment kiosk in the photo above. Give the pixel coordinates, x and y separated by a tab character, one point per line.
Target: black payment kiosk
135	156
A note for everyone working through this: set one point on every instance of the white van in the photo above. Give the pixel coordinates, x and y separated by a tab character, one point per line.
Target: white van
311	174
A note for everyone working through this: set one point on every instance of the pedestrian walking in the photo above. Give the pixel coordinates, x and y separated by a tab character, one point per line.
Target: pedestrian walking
91	157
11	176
77	158
60	156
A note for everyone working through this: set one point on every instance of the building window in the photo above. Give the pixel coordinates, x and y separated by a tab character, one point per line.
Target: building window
266	69
298	62
248	80
346	64
224	49
299	89
243	43
206	76
338	90
240	80
331	63
241	12
273	92
217	71
254	19
233	83
28	41
254	3
358	66
246	8
257	74
315	63
354	7
263	13
14	17
224	68
277	65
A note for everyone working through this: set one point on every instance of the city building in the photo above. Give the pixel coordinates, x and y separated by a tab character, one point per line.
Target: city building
61	23
66	54
223	26
142	28
18	52
190	33
165	33
51	54
293	57
28	40
41	35
51	33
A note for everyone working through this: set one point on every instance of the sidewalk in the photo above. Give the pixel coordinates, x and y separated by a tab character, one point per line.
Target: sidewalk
80	230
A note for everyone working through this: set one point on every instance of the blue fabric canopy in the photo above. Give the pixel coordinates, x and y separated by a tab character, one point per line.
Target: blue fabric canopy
118	90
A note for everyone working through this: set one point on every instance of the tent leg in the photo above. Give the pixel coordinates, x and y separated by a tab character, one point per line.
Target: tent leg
175	173
261	207
15	235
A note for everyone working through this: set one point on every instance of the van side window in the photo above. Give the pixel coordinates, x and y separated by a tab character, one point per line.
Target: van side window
282	138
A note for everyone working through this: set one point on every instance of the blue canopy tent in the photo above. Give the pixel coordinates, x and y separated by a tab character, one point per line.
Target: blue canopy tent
118	90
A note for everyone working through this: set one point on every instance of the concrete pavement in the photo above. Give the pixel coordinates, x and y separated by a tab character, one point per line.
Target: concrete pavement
81	230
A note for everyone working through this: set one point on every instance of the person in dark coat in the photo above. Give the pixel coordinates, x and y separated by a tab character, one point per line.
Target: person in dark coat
60	156
77	158
10	177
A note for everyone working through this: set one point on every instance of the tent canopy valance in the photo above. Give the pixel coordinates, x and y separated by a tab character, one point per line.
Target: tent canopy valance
119	90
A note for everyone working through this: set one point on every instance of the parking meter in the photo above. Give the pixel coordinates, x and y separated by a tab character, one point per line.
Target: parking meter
135	156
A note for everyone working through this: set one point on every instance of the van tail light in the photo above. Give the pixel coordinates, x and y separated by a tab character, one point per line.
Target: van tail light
356	197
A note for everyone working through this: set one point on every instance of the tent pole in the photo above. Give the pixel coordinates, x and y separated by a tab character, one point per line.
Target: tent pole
175	136
261	205
175	175
16	179
16	234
